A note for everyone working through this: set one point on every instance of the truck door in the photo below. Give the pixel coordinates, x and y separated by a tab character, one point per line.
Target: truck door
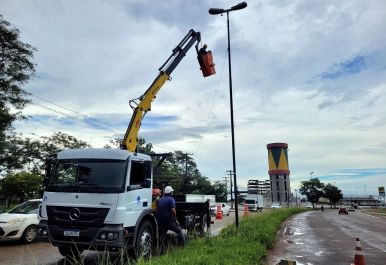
138	188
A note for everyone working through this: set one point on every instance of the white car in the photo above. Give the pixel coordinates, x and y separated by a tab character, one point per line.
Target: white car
275	205
20	222
224	208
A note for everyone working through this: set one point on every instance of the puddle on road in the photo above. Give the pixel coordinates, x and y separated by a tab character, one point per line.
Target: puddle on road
288	231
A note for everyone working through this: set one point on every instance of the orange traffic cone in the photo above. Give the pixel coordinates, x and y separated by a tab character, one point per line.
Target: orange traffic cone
219	212
359	259
246	210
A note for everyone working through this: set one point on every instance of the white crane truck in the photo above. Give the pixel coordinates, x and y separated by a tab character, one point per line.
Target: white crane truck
102	198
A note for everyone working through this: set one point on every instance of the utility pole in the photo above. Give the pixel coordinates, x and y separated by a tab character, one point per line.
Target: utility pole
230	174
226	188
186	172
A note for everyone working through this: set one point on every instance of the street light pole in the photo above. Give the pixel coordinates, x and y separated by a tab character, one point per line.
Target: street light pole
217	11
311	174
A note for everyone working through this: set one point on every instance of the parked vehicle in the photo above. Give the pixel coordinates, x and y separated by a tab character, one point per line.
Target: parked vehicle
275	205
225	208
255	202
20	222
343	210
309	205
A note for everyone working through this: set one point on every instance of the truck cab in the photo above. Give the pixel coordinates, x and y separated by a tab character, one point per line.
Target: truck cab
96	198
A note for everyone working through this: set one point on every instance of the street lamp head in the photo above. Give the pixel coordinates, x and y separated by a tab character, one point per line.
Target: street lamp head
239	6
216	11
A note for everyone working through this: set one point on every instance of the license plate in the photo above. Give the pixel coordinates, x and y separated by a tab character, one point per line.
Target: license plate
71	233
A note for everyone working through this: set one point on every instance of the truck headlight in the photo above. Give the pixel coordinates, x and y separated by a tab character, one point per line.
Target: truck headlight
15	221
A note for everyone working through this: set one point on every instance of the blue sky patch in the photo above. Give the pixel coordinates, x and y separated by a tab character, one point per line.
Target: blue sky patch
352	66
354	174
156	121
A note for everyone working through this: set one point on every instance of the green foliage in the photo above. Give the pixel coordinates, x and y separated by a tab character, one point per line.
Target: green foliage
30	154
248	245
332	193
23	184
219	189
16	68
312	189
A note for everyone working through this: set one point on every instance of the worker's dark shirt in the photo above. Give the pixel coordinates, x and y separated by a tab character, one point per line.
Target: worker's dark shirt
164	215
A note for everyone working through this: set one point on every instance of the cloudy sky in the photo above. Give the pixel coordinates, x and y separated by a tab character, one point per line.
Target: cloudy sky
308	73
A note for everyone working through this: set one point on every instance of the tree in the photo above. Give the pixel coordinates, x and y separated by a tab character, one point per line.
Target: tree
312	189
30	154
332	193
23	185
219	189
16	68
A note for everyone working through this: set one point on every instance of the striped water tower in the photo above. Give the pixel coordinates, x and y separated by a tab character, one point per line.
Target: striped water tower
279	173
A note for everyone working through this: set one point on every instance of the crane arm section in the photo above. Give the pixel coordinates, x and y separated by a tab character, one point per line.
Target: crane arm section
142	104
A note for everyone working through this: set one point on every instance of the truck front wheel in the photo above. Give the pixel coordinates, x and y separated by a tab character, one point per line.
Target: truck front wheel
144	244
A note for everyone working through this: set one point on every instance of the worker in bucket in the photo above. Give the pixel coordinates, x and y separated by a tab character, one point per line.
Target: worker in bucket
166	216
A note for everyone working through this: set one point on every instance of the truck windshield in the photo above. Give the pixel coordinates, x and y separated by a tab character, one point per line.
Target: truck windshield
250	201
95	176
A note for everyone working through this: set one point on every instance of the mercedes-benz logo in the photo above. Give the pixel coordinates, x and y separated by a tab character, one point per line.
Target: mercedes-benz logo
74	214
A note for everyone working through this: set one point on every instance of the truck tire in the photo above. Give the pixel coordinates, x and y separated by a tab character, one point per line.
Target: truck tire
144	243
29	234
203	229
70	252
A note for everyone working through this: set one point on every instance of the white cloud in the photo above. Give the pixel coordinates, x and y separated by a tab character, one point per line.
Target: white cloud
95	56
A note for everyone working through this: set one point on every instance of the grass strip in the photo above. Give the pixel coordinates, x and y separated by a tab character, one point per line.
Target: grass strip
248	245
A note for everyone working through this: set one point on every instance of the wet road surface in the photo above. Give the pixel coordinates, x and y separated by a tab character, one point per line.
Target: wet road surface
317	237
15	253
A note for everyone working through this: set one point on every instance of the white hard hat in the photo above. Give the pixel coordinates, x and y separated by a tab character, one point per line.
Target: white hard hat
168	189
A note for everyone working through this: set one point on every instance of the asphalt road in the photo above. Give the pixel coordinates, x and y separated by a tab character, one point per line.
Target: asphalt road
317	237
39	253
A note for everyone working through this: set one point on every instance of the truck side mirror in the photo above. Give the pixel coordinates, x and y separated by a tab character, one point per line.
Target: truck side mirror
146	183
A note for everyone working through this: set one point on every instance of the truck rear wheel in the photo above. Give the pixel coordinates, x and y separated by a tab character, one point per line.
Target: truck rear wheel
144	243
203	230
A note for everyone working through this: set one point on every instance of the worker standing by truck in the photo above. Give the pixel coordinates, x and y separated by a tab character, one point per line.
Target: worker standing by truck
166	216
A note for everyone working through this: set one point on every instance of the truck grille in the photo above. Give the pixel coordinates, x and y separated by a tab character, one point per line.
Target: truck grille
86	216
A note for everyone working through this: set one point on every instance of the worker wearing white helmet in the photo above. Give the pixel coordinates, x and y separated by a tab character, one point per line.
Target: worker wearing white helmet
166	215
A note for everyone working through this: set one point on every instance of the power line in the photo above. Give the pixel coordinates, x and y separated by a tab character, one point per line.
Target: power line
78	113
211	107
100	125
71	116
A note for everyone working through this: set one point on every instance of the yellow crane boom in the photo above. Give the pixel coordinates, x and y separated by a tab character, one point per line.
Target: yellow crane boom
142	104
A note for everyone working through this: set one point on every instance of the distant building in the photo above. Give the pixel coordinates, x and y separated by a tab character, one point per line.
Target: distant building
360	200
279	172
256	186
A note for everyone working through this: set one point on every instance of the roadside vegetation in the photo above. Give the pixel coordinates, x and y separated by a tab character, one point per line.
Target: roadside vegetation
377	212
248	245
